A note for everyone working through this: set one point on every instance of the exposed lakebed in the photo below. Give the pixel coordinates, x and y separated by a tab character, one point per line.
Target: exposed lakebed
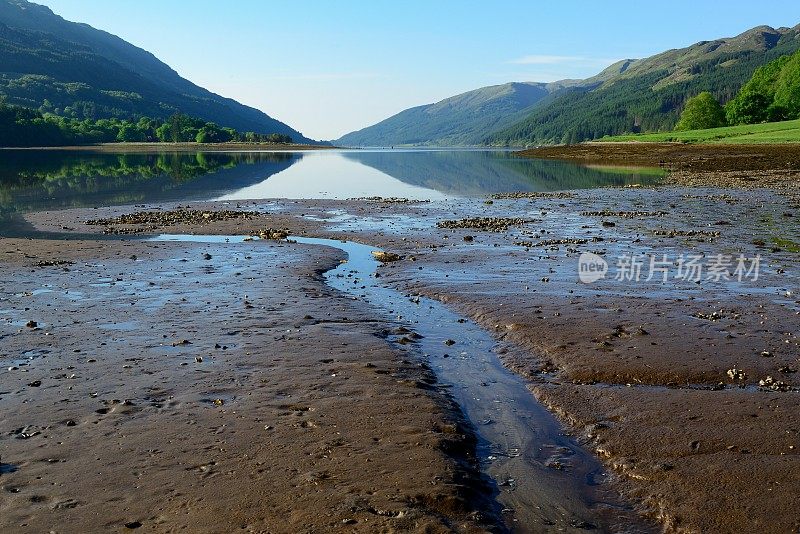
543	479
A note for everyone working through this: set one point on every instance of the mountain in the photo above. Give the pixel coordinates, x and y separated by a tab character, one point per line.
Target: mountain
459	120
649	94
631	95
75	70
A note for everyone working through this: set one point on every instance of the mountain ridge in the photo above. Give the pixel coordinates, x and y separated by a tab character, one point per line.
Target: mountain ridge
628	96
500	105
51	63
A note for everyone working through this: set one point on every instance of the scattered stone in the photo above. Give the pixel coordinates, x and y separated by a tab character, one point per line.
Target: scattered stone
736	374
773	385
623	214
173	217
553	242
386	257
686	233
53	263
713	316
389	200
490	224
531	194
274	234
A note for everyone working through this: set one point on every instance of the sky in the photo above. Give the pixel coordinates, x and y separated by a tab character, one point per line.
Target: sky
330	67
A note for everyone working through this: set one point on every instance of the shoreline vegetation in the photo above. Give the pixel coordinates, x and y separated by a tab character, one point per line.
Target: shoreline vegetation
744	134
166	147
22	127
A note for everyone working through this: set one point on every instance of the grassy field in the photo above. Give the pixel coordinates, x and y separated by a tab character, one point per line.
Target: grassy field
773	132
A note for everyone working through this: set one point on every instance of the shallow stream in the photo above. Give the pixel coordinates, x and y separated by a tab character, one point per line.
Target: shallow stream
543	479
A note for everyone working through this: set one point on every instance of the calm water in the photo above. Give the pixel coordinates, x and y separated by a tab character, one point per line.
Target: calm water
39	180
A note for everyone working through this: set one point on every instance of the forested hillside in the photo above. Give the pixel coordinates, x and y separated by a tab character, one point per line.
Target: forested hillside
73	70
650	94
459	120
772	94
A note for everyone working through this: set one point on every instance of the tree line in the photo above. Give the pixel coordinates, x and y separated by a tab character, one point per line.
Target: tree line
23	127
772	94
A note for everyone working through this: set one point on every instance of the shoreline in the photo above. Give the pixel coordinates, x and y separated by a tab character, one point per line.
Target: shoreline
148	148
677	156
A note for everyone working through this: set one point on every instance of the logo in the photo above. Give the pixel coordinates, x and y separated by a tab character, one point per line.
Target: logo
591	268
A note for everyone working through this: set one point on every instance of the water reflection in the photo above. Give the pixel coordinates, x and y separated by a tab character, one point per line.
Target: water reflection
41	179
476	173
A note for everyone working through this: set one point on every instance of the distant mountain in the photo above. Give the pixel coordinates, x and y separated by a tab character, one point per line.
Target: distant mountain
461	120
72	69
648	94
631	95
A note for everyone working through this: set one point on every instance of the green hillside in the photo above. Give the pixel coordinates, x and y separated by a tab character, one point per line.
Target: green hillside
770	132
76	71
772	94
650	93
461	120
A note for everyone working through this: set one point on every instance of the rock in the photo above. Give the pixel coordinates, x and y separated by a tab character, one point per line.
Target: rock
32	324
490	224
386	257
449	342
274	234
773	385
736	374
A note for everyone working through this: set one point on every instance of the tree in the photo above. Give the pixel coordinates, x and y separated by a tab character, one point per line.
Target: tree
163	133
701	112
787	87
128	133
749	107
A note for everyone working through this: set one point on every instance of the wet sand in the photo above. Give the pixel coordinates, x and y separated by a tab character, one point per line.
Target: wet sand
213	387
637	371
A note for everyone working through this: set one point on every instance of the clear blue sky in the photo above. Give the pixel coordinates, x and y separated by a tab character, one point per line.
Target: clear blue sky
329	67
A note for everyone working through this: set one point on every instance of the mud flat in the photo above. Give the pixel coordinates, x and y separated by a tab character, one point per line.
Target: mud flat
705	165
686	390
213	386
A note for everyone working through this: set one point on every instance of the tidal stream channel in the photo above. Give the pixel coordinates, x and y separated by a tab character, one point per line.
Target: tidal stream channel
543	480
